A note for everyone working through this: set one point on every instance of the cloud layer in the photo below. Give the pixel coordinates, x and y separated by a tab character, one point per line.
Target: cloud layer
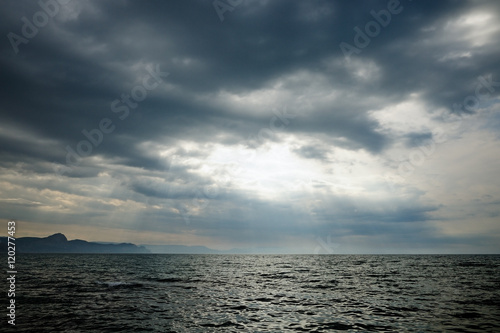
159	123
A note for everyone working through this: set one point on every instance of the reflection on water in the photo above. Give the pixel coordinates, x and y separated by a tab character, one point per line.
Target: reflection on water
257	293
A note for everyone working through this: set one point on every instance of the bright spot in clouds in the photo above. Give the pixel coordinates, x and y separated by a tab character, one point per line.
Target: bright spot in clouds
263	135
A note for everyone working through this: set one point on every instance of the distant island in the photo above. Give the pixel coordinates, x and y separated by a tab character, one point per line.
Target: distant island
58	243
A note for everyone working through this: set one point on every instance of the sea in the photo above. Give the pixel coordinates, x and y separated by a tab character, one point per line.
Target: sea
255	293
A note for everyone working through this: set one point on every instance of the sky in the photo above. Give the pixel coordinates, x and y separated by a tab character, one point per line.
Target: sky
304	126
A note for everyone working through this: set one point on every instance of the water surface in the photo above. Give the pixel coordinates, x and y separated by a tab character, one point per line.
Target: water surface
257	293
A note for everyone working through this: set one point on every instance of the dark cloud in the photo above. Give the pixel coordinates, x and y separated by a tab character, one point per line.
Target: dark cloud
226	86
418	139
311	152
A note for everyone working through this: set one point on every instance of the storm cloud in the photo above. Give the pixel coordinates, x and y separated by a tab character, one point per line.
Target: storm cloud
176	122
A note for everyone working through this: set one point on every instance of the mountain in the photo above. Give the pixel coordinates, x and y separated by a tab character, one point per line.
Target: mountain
58	243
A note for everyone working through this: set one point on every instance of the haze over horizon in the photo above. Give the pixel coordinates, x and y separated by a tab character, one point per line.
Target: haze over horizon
312	127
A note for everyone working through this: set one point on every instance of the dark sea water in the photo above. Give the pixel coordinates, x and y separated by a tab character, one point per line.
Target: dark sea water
256	293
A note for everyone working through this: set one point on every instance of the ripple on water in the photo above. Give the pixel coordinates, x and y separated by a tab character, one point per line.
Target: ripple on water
198	293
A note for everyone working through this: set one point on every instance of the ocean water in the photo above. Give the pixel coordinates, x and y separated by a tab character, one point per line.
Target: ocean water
256	293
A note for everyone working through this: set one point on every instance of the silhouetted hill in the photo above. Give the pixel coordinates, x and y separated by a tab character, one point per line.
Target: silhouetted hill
58	243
